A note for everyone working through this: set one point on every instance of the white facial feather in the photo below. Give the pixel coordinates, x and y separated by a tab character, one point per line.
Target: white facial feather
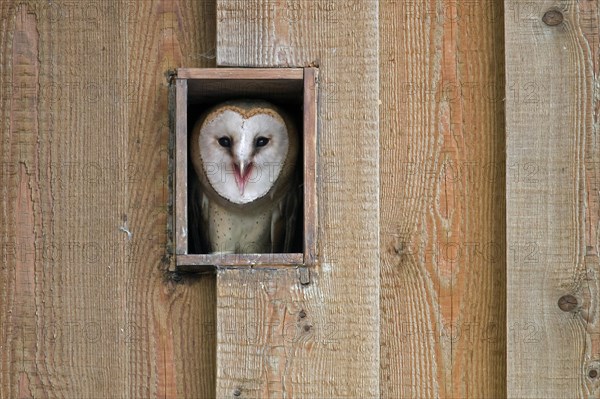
261	164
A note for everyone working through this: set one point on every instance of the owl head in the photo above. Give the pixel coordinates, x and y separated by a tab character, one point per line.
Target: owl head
243	148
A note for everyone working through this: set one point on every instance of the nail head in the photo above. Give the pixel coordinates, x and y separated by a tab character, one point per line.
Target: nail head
593	373
237	392
177	277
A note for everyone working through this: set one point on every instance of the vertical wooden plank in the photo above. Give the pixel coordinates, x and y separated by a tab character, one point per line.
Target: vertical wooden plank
174	356
86	305
553	110
21	188
277	337
181	158
63	126
442	208
311	219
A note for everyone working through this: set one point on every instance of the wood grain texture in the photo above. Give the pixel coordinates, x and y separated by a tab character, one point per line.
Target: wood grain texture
86	308
442	200
210	261
277	337
239	73
180	202
311	204
553	154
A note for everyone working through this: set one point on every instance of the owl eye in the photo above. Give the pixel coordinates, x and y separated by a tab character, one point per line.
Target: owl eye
261	141
225	142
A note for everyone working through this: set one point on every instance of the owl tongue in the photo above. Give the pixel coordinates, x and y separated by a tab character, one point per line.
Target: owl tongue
242	175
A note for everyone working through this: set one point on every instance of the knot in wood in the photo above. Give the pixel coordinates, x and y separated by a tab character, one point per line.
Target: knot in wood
567	303
552	17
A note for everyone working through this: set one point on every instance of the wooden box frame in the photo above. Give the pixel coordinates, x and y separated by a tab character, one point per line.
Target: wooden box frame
216	84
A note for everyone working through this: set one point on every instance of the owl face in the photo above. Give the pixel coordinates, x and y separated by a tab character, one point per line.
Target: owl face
243	150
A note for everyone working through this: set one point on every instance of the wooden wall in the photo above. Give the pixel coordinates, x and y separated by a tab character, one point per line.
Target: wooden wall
428	284
86	308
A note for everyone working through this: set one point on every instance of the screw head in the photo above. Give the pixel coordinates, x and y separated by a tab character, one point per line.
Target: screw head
302	314
567	303
553	17
593	373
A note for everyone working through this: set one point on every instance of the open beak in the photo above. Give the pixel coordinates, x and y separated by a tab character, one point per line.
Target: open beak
242	174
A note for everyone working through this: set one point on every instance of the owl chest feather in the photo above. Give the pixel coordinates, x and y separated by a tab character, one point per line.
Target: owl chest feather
246	229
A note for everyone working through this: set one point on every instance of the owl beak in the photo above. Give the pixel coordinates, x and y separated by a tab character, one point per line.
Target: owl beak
242	174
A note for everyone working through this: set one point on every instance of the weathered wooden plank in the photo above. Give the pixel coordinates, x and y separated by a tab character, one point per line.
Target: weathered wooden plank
240	73
277	337
311	204
86	308
175	358
180	215
239	260
442	208
67	207
553	113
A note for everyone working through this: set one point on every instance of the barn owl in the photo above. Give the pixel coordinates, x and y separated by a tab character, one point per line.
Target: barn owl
244	154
